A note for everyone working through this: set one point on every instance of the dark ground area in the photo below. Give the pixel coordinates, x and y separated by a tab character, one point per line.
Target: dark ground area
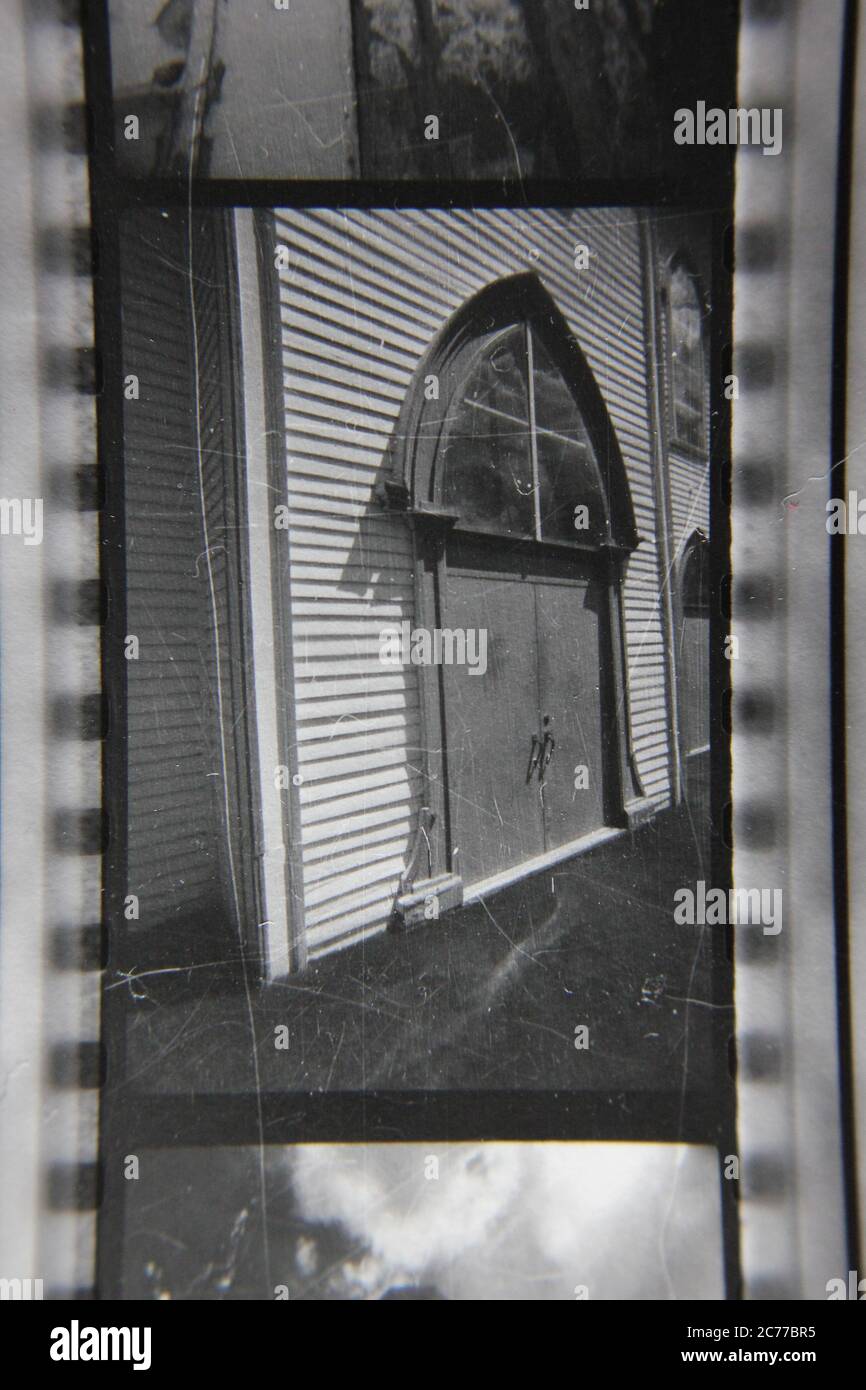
489	997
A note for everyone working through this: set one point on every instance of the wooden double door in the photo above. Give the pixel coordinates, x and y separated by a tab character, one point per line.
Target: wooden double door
526	740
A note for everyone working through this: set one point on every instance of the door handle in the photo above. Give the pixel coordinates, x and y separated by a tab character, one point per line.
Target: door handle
534	755
547	748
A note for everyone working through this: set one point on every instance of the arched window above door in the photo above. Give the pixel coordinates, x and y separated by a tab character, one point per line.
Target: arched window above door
507	432
518	460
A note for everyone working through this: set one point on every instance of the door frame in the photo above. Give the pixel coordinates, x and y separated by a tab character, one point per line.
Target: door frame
481	556
413	486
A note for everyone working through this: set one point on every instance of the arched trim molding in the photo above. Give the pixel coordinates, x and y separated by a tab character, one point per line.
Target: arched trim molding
415	484
693	567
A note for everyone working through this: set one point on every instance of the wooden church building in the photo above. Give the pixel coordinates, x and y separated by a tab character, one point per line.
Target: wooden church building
417	508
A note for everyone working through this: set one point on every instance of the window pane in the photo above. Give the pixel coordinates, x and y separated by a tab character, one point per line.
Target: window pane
488	458
687	370
488	472
555	406
498	380
572	502
567	471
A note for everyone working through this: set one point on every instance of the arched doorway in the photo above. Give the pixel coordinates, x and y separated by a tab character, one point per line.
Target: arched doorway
523	525
527	739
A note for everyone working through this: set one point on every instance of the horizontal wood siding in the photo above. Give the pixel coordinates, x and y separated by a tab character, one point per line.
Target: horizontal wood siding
690	499
361	298
175	826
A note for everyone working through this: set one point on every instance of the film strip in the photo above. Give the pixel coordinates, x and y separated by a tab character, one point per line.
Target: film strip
53	724
795	1200
793	1209
345	294
854	657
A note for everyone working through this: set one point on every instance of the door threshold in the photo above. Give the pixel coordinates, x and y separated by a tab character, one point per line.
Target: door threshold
485	886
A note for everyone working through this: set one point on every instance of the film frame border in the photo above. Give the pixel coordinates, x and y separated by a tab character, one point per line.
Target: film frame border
761	18
353	1115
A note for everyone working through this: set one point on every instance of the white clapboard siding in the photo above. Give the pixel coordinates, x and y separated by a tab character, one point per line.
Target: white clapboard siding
190	825
174	823
690	499
362	297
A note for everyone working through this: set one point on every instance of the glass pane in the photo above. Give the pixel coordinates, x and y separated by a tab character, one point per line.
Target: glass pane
498	380
488	459
567	471
488	472
686	358
572	501
555	406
